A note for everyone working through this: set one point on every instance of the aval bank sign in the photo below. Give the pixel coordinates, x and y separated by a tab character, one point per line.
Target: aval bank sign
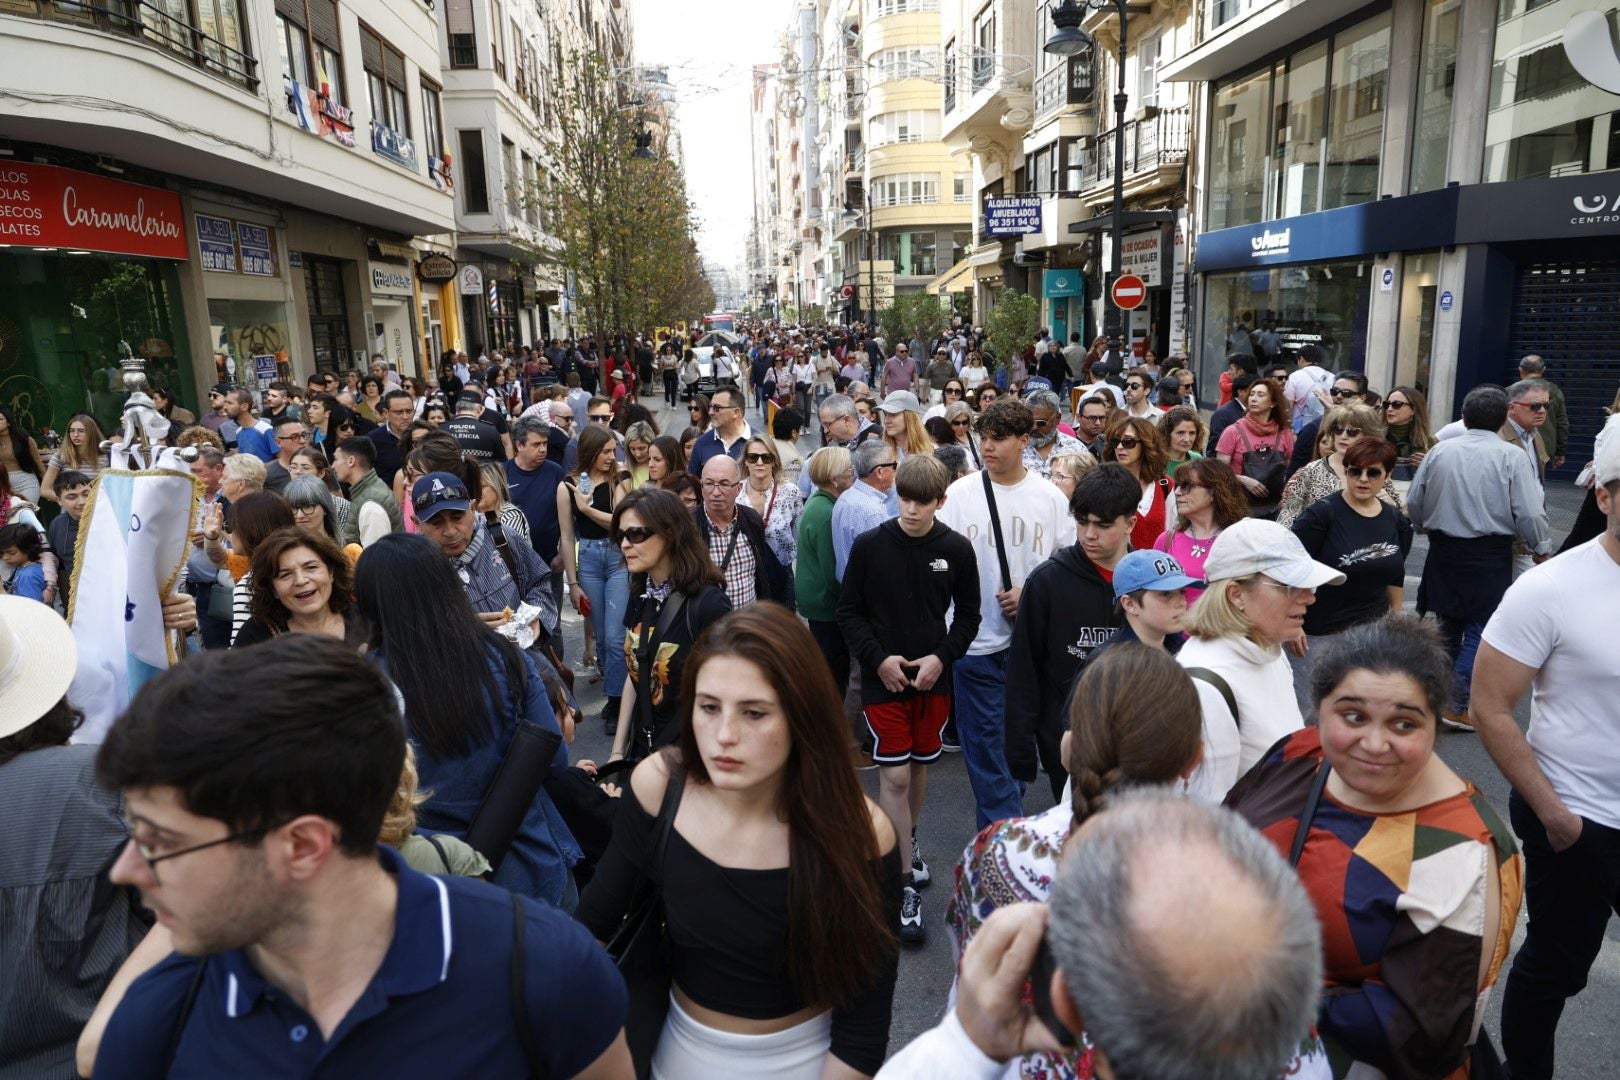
51	207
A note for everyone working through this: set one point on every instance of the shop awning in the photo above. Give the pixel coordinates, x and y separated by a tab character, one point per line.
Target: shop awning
956	279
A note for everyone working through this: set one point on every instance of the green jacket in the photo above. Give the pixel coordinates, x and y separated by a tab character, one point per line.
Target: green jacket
816	582
1555	432
370	489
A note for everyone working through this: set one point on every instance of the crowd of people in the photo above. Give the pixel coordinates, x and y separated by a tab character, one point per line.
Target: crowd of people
1193	620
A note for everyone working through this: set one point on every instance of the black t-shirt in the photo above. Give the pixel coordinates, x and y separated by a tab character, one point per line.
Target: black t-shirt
669	657
479	441
1370	551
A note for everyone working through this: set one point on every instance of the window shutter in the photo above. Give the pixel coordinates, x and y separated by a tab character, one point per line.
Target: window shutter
323	23
394	72
371	51
292	9
459	16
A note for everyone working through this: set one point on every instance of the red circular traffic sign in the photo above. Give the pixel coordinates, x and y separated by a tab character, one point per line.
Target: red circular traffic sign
1128	292
848	291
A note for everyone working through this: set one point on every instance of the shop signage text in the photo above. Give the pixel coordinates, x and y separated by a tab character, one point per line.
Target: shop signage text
471	280
48	206
257	249
390	280
1271	244
436	268
1142	254
216	243
1012	215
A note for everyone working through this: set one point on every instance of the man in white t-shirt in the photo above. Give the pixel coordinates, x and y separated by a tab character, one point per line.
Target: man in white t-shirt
1554	632
1035	523
1307	387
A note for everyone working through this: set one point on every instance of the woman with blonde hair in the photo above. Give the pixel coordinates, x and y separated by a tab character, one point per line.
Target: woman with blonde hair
959	414
1345	425
777	502
903	425
1067	467
80	452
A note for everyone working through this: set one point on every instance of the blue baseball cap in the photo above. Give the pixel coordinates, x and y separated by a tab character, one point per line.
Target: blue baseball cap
1037	382
439	491
1151	570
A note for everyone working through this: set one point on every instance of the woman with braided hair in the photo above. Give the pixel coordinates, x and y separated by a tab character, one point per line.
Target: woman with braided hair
1133	721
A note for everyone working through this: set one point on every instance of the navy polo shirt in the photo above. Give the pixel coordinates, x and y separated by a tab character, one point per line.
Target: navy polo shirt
440	1004
535	493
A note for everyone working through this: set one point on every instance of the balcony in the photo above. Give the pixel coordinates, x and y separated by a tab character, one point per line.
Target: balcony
1151	145
151	24
1068	83
984	96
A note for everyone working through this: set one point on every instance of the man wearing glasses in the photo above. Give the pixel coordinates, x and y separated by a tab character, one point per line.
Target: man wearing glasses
291	437
398	412
1046	441
1349	388
1528	406
735	535
866	504
729	434
1138	389
300	939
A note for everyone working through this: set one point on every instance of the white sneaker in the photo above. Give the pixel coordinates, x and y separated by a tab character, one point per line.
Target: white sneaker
911	922
919	869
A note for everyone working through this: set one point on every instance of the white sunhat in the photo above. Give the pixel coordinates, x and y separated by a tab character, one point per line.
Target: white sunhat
1255	546
37	661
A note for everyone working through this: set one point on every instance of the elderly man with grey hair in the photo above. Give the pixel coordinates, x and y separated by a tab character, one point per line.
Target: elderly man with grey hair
1182	944
865	505
1555	433
841	425
1046	441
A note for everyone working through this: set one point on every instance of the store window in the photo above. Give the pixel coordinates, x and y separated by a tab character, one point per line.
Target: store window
1414	342
1545	120
1437	75
1315	303
474	177
242	331
912	252
67	320
1317	117
328	313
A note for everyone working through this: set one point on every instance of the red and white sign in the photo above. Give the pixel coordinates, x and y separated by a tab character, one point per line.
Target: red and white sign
47	206
847	291
1128	292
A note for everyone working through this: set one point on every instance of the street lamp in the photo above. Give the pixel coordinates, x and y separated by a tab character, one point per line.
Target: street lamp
1069	40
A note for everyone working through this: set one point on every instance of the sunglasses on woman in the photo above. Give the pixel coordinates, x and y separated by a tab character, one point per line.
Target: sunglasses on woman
957	390
759	459
635	534
1183	488
1353	432
1393	404
1373	473
961	423
1129	442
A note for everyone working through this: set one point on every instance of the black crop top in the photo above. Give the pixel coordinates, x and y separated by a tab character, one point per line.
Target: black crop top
728	932
585	527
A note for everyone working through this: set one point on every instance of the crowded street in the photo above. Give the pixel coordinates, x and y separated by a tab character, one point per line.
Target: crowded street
809	540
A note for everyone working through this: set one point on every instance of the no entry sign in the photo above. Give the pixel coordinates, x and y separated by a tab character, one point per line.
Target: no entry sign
1128	292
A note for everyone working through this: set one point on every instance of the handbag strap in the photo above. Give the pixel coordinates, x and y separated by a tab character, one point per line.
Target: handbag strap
645	649
995	527
520	1005
1303	829
1205	675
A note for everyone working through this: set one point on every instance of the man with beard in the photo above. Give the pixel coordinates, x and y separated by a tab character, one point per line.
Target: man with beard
1046	441
298	938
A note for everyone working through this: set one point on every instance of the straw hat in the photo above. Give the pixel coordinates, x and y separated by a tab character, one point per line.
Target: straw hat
37	661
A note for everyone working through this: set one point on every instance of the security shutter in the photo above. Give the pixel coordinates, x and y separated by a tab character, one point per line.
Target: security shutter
371	51
394	72
292	9
323	23
1566	312
459	16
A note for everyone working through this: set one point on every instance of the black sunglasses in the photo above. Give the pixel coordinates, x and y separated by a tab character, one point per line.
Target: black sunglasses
1371	473
635	534
1533	406
1129	442
1345	393
759	459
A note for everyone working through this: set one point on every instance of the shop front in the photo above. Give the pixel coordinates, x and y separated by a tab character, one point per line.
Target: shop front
1063	302
393	298
89	275
246	291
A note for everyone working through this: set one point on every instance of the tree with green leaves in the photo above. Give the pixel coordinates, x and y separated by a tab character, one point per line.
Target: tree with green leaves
624	225
1013	323
916	315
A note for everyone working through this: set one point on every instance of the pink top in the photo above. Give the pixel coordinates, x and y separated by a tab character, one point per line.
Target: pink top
1260	437
1190	553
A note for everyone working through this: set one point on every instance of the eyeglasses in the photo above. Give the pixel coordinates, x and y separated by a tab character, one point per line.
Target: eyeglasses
719	485
600	418
1338	393
297	436
759	459
1043	423
1352	432
1294	592
961	423
689	408
151	860
1183	488
1129	442
1135	386
635	534
957	390
1364	474
1533	406
885	465
1393	404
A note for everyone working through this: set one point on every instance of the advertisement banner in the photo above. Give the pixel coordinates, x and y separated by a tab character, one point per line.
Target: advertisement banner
1012	215
1179	322
254	242
47	206
216	243
1142	254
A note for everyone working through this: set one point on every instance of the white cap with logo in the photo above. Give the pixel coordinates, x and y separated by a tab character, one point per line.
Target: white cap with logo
1254	546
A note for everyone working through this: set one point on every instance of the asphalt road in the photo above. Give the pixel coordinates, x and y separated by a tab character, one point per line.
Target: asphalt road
1588	1038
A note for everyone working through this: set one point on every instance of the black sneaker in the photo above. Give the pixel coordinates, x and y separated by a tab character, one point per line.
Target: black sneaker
948	739
919	869
911	923
610	714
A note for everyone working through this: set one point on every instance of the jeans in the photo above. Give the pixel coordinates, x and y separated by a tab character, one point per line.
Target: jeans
1461	637
981	723
669	388
1569	896
606	581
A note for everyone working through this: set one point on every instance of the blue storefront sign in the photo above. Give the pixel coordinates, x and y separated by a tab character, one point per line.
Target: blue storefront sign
1415	222
1446	301
254	243
216	243
1012	215
1068	282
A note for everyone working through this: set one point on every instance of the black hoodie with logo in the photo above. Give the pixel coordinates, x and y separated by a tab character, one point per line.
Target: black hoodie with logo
1065	613
894	598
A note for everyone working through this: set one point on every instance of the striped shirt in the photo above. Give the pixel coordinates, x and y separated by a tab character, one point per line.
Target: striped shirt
66	929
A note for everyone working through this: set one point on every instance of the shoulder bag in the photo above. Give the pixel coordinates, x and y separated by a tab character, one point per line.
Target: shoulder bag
640	744
1269	465
640	947
995	530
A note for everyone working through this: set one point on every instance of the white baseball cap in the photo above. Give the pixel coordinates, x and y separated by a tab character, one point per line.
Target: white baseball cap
37	661
1254	546
1606	453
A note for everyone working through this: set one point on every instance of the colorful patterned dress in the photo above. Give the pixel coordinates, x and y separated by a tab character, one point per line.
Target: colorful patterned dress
1403	902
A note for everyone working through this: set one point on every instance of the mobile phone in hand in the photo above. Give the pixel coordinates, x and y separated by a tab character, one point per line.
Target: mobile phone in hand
1040	984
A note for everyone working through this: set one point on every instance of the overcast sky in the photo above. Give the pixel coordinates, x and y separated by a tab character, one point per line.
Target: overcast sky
711	47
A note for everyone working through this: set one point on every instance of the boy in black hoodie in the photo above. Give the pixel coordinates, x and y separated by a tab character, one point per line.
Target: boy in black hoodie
900	582
1067	611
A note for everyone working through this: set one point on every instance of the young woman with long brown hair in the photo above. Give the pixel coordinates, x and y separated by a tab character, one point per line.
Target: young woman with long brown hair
781	880
1135	443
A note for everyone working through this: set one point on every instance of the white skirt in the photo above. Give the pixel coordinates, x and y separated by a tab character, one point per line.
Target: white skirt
688	1050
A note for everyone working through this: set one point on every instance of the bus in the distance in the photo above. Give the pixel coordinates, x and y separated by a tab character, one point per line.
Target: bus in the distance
720	320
